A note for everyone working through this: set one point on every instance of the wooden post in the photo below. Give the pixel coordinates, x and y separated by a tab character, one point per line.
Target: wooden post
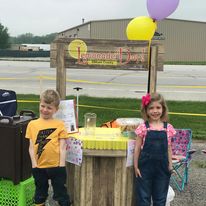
61	71
153	70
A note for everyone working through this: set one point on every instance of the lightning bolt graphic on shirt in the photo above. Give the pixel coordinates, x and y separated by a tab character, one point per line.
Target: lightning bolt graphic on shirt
42	139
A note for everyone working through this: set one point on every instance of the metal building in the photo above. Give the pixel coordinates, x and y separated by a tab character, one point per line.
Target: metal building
184	40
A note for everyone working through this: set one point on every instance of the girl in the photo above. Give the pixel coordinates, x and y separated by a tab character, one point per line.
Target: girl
153	154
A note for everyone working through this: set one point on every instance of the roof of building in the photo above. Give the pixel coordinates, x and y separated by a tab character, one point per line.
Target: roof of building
103	20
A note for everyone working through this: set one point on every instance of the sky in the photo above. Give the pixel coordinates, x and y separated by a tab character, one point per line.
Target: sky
42	17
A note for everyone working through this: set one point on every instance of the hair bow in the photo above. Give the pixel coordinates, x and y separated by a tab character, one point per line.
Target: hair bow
146	100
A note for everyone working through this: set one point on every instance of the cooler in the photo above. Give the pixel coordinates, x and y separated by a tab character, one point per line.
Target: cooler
14	156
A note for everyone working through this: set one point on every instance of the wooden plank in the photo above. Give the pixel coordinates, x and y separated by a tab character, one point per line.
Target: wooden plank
110	180
52	63
130	186
61	72
96	180
77	185
117	182
70	179
153	70
53	46
89	181
83	187
103	182
105	153
123	182
53	54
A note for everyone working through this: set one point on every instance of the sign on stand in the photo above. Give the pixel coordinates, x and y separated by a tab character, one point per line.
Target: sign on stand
67	114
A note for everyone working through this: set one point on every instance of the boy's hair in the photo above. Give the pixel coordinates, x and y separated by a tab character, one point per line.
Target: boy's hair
50	96
156	97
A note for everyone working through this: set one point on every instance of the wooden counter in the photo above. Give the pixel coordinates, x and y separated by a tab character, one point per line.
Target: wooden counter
102	180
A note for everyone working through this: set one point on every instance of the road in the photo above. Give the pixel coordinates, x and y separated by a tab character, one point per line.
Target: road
175	82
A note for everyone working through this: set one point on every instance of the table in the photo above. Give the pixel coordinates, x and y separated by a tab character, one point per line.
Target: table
103	178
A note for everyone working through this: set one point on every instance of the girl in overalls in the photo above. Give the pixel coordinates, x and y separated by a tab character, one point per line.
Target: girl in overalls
153	154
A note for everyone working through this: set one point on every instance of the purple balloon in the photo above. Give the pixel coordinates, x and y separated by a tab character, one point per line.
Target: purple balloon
160	9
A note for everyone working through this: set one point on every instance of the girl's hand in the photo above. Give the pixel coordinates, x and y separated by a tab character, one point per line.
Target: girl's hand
137	172
170	168
172	171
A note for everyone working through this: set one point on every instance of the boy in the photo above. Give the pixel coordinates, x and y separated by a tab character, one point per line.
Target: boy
48	151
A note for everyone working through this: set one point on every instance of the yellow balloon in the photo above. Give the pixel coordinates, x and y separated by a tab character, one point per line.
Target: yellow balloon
141	28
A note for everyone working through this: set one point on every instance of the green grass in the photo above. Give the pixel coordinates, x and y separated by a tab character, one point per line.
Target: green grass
199	164
185	62
112	108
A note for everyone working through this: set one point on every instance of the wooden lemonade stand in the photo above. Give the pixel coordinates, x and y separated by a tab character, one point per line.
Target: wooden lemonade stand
103	178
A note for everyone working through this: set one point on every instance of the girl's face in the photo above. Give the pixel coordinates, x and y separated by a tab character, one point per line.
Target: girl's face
154	111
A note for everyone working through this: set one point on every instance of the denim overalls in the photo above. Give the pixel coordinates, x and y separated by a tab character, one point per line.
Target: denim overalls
153	164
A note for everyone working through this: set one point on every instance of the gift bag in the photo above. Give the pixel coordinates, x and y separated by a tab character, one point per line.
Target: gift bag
170	196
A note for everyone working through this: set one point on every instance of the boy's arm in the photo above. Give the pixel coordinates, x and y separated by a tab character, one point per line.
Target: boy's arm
31	153
62	161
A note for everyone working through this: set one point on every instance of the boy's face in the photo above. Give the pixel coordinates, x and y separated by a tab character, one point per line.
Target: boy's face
47	110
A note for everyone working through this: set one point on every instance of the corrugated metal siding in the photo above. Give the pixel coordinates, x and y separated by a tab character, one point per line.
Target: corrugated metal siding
184	40
114	29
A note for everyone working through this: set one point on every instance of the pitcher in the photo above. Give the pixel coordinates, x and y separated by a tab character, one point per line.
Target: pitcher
90	123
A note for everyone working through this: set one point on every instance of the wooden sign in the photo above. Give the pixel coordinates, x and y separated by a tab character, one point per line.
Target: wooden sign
103	54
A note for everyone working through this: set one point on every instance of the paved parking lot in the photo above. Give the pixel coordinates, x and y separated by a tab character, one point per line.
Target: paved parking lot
175	82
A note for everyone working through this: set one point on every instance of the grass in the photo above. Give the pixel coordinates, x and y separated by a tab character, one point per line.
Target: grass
112	108
199	164
185	62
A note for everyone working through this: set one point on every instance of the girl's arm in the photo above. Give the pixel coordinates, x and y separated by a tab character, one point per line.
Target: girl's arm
170	157
31	153
62	161
136	156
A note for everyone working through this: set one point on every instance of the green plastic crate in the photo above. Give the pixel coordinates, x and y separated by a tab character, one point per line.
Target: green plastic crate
17	195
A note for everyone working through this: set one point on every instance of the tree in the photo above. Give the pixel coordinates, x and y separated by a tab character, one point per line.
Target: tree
4	37
29	38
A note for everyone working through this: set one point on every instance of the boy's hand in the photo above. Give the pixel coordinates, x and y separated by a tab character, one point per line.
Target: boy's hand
34	165
137	172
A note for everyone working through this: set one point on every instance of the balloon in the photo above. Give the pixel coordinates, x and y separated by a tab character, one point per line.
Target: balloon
141	28
160	9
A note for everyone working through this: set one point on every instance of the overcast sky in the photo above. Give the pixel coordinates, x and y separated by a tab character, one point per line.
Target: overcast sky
41	17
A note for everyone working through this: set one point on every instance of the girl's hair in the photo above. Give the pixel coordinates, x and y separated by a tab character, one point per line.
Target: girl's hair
50	96
155	97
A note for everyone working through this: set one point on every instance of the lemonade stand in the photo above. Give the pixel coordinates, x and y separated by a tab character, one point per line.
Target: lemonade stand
102	178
